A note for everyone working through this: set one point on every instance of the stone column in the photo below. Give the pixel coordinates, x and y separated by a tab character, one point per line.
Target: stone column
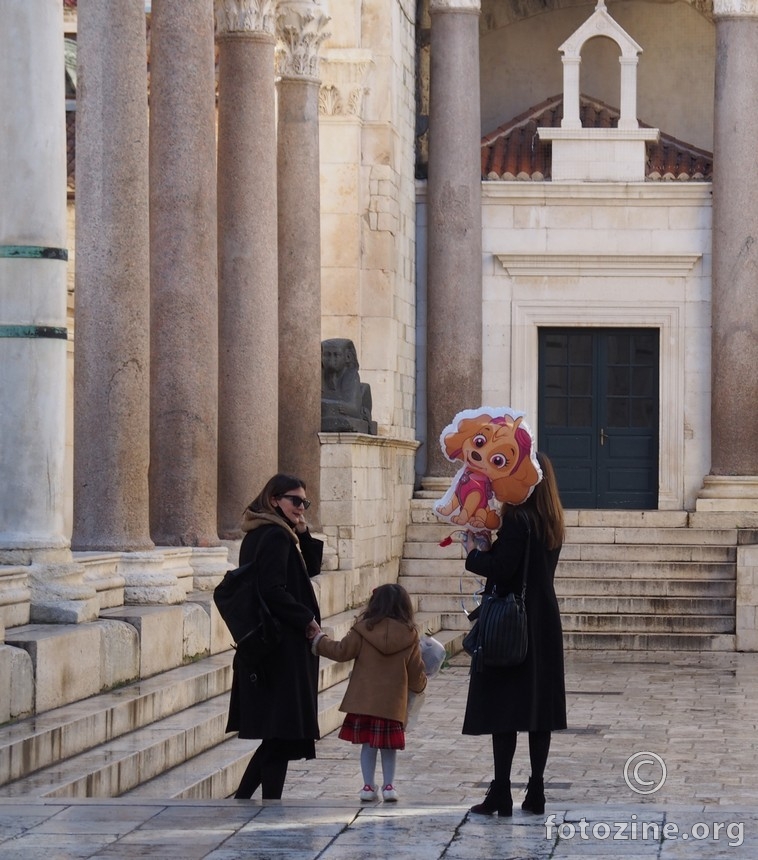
247	213
112	297
454	258
733	482
300	31
39	581
183	275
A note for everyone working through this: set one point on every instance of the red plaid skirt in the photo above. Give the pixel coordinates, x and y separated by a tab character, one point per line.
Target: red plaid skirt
374	731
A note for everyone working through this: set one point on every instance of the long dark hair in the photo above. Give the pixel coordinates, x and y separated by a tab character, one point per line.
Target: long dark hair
544	506
276	486
388	601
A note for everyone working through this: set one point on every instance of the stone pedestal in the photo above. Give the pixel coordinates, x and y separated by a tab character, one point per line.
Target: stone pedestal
366	488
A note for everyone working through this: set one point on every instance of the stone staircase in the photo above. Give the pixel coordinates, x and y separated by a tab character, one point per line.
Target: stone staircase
627	580
161	736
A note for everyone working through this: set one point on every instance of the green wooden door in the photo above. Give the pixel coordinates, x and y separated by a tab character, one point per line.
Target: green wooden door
598	414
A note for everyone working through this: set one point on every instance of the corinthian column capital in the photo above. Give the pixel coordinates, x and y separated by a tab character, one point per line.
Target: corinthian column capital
245	16
455	6
300	30
735	8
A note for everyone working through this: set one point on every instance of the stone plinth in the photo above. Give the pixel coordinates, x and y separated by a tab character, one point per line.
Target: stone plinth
728	493
366	487
598	155
747	598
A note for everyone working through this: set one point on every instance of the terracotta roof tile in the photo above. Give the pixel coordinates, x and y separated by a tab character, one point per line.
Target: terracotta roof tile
514	151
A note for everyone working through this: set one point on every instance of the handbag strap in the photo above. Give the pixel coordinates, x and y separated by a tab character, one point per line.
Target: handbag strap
525	564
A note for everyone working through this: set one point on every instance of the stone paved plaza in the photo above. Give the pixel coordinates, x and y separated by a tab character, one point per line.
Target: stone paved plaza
697	712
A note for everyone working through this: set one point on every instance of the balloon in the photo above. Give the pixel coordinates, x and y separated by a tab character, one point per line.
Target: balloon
499	464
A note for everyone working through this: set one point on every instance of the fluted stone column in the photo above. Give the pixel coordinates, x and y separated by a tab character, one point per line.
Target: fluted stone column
733	483
183	275
454	258
247	214
300	31
112	299
38	579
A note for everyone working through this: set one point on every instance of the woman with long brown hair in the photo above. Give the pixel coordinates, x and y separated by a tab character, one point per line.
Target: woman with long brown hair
530	697
278	703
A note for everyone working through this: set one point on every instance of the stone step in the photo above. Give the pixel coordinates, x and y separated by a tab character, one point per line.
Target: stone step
633	569
217	772
646	623
464	583
41	741
434	532
591	613
432	551
589	586
649	605
649	641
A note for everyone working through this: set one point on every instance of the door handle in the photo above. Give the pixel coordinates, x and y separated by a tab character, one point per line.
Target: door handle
603	437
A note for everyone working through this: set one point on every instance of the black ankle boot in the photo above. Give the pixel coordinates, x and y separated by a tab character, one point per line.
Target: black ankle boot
498	800
535	797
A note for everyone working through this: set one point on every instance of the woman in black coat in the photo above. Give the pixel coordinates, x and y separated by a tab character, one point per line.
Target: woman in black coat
279	703
530	697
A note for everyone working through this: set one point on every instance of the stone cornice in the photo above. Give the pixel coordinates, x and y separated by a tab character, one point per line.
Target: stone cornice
735	8
245	16
300	31
455	6
599	265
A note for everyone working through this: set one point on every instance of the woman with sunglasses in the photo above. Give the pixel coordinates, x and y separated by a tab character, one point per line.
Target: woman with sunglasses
279	703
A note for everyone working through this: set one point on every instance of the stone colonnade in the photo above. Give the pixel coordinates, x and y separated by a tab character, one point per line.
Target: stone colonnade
148	325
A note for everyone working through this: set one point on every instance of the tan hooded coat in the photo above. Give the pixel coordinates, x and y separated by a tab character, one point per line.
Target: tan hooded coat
387	664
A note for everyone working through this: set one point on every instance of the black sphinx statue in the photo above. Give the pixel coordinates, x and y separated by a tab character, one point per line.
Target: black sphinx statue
345	400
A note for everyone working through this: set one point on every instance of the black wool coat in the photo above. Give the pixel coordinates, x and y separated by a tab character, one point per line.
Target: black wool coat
283	703
532	696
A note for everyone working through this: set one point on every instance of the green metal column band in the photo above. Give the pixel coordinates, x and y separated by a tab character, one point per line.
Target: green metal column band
54	332
33	252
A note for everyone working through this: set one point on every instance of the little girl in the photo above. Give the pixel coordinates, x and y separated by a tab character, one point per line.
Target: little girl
384	643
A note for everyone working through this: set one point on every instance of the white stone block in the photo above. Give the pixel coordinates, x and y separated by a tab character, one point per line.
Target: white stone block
161	633
21	694
65	660
119	654
197	631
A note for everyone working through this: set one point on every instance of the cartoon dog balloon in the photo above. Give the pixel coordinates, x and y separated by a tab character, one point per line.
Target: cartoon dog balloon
496	448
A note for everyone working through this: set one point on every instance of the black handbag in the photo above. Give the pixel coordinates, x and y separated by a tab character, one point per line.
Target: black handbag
498	638
255	631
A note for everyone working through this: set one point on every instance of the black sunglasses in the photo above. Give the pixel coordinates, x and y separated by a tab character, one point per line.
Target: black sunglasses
297	501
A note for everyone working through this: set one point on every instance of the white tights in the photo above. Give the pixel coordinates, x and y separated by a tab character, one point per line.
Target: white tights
368	765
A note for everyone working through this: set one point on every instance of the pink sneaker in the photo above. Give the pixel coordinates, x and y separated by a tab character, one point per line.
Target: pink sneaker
368	793
389	794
